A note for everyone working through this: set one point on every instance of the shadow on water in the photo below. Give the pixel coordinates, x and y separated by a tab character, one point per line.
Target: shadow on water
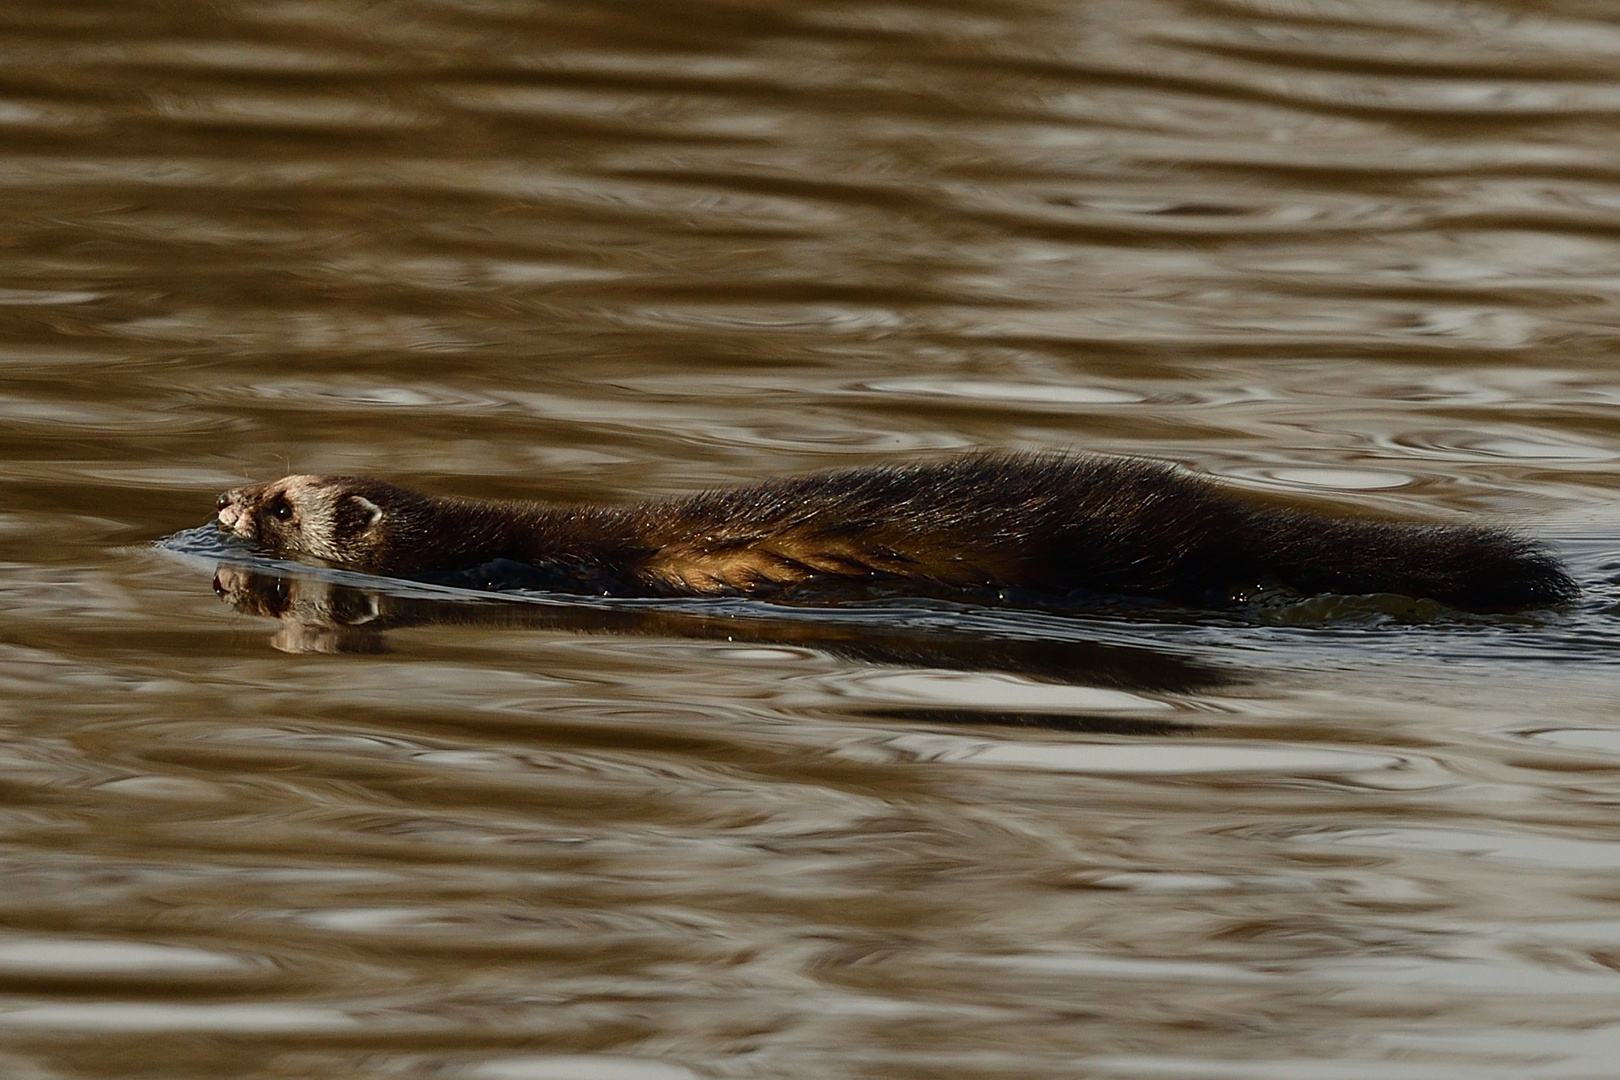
324	610
318	615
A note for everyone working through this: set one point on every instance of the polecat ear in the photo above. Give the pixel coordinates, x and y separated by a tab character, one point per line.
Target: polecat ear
373	513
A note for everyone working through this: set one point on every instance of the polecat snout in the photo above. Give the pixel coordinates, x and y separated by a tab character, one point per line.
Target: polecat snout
1053	524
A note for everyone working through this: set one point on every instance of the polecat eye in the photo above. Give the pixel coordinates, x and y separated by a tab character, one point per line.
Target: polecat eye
280	508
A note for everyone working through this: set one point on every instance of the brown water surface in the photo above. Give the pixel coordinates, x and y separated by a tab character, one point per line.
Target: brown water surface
1362	250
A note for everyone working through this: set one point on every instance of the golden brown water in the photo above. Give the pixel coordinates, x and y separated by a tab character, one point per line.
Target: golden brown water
1362	249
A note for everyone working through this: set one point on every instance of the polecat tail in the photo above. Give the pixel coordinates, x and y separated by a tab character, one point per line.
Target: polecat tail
1468	567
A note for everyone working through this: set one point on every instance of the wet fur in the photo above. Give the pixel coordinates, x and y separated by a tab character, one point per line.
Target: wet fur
1050	524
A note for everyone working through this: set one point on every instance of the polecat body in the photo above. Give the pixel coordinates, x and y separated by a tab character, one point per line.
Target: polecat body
1050	524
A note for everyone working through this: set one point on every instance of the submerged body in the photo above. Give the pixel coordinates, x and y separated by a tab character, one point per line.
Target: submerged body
1051	524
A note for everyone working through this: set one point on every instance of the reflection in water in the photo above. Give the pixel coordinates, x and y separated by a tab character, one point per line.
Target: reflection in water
322	616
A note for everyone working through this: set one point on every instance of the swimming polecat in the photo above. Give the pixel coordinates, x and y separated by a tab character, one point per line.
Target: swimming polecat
1052	524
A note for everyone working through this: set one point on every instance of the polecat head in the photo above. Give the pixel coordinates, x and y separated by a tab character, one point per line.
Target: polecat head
351	520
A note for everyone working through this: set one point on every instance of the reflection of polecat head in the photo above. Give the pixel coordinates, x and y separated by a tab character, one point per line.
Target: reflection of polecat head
350	520
316	616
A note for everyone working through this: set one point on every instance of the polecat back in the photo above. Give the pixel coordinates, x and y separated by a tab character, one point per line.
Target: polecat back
1053	524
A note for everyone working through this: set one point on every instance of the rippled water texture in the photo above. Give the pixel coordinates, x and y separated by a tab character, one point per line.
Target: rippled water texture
1361	251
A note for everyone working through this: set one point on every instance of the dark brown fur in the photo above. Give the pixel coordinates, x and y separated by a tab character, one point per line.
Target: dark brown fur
1048	524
